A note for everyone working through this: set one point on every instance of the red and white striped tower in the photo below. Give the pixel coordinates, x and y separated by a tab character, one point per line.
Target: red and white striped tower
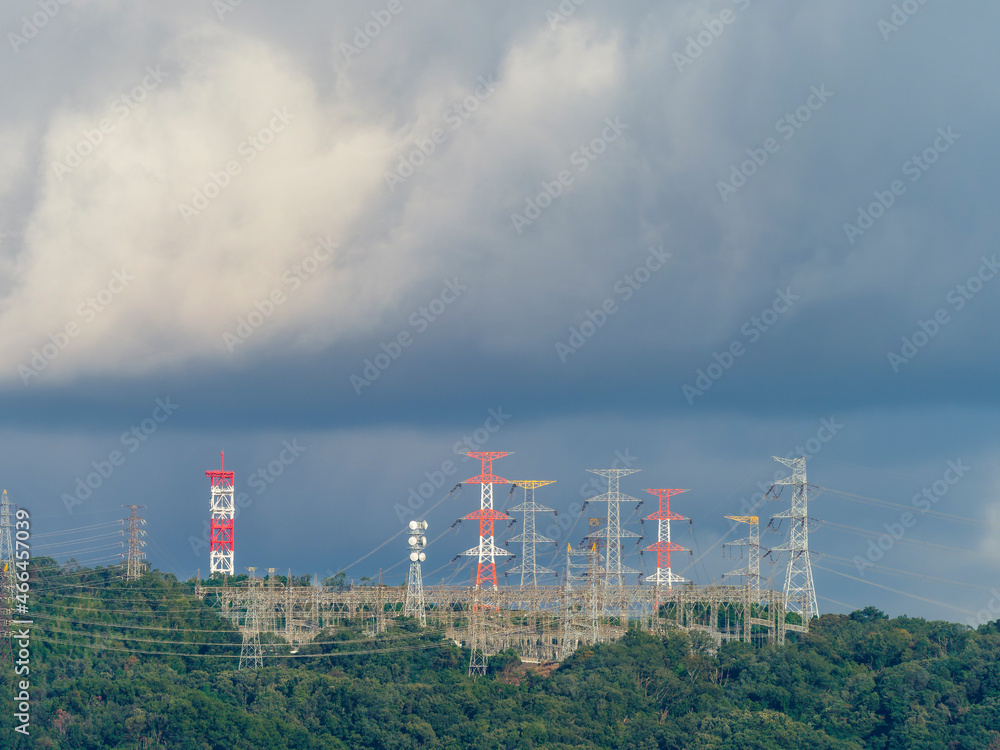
487	551
663	547
223	513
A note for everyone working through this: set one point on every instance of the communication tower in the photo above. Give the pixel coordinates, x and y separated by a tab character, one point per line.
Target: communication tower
414	604
223	512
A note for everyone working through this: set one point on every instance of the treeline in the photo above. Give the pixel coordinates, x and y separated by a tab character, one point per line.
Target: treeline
119	665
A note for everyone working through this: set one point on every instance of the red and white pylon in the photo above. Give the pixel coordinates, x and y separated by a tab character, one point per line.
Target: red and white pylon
664	546
223	512
486	551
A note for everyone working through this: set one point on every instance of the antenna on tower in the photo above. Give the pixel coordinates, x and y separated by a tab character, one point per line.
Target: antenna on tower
529	569
135	556
223	511
414	604
800	591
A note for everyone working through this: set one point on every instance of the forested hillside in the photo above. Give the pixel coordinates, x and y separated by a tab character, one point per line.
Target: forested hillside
118	665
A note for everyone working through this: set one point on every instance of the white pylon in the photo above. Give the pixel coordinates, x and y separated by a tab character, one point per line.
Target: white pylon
529	568
751	573
133	560
251	653
800	591
414	604
614	571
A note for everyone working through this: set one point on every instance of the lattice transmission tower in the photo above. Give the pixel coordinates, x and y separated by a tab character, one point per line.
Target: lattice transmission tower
223	512
612	532
750	573
664	546
529	568
7	579
800	590
133	558
487	551
251	653
414	604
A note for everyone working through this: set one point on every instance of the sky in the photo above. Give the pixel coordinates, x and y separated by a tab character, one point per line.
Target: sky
348	243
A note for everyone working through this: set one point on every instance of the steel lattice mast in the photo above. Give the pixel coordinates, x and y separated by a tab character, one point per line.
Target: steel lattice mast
251	653
414	604
612	533
135	556
487	551
7	579
223	512
751	573
664	546
529	568
800	591
7	575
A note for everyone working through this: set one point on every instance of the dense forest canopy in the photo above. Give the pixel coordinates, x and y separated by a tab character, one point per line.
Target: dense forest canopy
147	665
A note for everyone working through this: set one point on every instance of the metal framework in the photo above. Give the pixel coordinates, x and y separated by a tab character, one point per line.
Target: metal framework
414	604
134	557
541	623
663	547
529	568
751	573
486	551
612	532
800	590
7	579
221	527
251	653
